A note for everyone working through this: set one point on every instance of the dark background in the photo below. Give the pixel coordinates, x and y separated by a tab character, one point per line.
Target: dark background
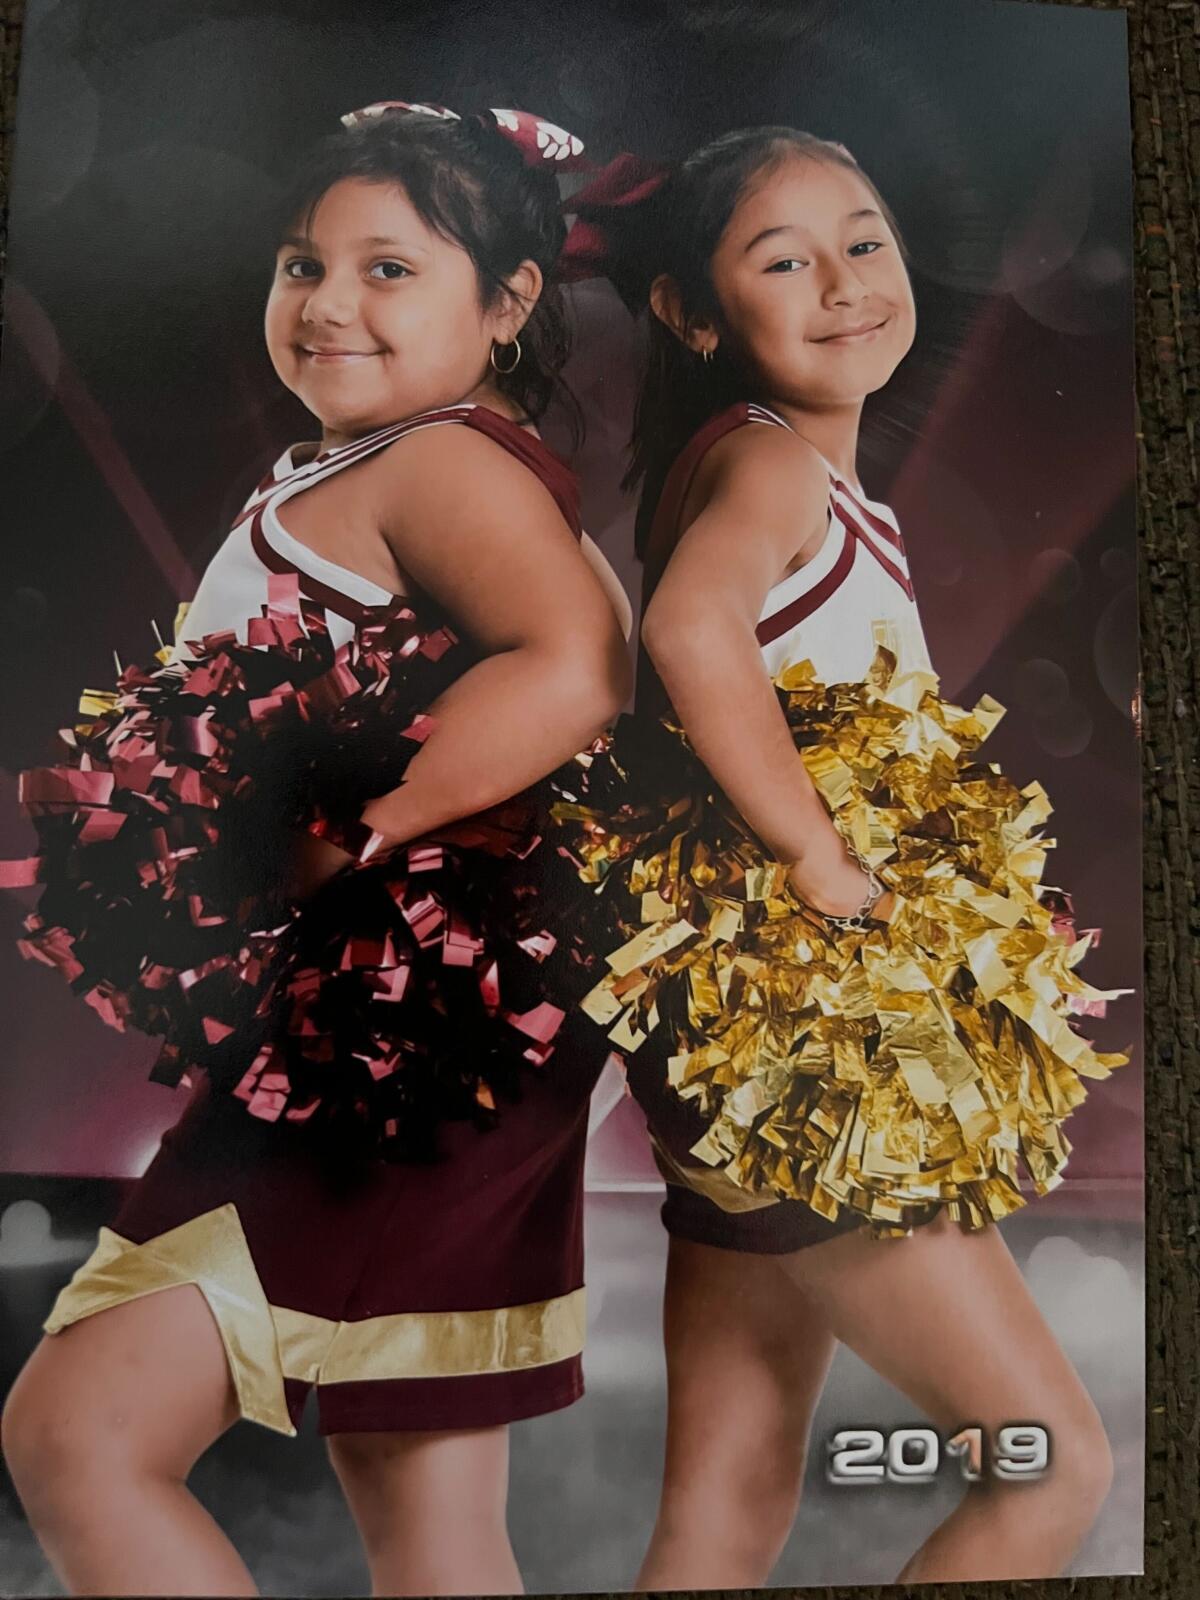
1165	84
137	406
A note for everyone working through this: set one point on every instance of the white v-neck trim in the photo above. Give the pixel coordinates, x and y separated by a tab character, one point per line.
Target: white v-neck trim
352	584
296	478
290	478
838	477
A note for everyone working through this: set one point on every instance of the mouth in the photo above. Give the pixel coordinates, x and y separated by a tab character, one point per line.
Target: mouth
334	355
860	332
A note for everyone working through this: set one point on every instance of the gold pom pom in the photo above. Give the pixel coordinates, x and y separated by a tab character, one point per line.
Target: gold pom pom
897	1070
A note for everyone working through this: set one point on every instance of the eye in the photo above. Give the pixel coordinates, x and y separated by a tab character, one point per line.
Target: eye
866	247
389	270
788	264
301	267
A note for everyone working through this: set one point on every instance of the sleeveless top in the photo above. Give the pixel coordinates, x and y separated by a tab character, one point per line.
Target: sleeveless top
233	588
853	595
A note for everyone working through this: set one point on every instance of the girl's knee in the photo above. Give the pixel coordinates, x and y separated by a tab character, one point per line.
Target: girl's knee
765	1520
734	1543
42	1450
1082	1461
742	1501
1070	1494
60	1444
401	1484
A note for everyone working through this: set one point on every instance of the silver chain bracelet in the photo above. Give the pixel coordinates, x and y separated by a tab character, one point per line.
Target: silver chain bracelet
857	920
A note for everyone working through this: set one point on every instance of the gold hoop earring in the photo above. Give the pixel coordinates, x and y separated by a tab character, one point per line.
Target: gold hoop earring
504	371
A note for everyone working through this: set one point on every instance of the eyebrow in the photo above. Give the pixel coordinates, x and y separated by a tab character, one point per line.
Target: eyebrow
293	241
791	227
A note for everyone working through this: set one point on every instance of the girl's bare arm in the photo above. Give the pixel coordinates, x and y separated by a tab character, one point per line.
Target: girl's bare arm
763	489
477	532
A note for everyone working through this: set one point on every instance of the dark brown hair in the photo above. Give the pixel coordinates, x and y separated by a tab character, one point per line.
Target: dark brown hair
470	184
677	233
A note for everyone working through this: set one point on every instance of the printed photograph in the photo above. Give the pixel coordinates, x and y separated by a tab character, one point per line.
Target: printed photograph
569	799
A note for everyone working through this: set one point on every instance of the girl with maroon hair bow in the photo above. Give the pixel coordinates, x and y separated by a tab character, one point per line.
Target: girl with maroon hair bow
304	850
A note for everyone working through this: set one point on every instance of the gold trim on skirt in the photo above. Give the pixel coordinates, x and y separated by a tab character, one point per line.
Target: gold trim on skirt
265	1344
211	1252
709	1182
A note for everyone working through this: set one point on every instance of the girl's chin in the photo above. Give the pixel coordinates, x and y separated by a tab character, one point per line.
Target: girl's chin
355	419
338	427
847	396
342	407
849	386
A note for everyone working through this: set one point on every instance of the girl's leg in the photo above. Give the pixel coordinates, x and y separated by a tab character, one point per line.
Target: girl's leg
746	1359
100	1432
431	1509
945	1316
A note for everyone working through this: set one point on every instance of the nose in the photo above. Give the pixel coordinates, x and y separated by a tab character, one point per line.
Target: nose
332	302
842	286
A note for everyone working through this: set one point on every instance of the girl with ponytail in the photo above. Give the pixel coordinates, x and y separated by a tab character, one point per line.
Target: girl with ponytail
842	992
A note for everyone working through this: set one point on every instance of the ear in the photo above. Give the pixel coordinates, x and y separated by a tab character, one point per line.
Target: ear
524	289
666	302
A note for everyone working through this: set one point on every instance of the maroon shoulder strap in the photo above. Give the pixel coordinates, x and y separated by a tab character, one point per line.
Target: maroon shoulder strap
651	699
533	453
679	479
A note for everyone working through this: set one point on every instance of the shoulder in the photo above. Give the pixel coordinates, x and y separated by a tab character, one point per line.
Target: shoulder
451	445
446	468
767	456
763	470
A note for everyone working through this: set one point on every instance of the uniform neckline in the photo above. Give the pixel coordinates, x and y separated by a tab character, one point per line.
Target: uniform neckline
291	477
525	424
855	489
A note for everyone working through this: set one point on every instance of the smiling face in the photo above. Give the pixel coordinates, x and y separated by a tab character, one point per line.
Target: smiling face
374	315
812	287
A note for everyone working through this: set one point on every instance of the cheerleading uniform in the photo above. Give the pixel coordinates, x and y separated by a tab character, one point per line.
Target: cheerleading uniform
852	596
409	1296
234	586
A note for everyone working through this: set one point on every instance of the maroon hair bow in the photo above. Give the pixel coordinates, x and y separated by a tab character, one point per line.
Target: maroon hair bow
538	140
591	250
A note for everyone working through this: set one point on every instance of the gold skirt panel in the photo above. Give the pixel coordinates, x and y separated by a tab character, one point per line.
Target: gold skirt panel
709	1182
264	1344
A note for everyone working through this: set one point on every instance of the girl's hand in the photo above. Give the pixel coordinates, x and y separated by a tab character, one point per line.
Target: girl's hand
828	879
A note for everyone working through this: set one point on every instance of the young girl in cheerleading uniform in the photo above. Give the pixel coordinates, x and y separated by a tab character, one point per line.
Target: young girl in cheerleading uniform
263	1256
795	996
